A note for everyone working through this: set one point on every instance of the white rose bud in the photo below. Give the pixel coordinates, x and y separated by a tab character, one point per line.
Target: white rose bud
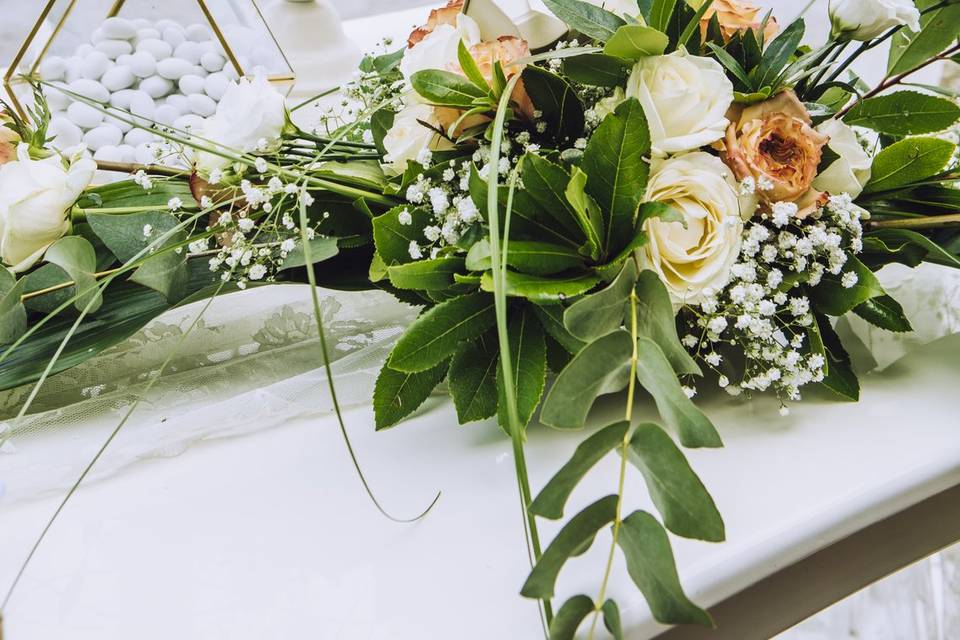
685	99
693	256
851	171
408	137
248	113
35	200
438	49
867	19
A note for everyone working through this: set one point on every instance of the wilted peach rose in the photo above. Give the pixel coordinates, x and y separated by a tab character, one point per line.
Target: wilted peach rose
773	143
735	16
506	50
443	15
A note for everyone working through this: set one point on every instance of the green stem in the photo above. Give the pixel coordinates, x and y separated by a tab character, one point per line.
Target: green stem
80	214
926	222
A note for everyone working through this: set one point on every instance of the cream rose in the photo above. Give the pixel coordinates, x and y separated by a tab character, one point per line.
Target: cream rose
408	137
851	171
250	113
35	198
867	19
684	98
693	256
437	48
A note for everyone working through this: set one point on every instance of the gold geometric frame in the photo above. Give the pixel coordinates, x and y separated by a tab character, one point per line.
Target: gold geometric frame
11	76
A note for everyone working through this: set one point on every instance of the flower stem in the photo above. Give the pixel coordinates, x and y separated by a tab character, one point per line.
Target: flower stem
128	167
925	222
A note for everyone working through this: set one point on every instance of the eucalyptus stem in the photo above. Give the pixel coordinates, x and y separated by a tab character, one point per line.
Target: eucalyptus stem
628	416
925	222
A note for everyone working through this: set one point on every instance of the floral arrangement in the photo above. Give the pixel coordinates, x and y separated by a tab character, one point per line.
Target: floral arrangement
676	195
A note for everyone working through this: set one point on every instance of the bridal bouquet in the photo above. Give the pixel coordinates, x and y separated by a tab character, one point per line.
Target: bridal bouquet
675	196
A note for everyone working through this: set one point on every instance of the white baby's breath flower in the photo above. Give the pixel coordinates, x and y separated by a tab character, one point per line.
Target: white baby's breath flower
174	204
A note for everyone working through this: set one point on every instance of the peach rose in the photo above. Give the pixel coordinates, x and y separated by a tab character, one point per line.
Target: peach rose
735	16
773	143
443	15
8	140
506	50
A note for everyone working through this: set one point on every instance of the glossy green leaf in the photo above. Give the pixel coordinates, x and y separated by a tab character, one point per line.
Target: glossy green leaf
884	312
651	565
617	170
546	183
656	320
392	238
573	539
597	314
529	256
76	256
13	315
633	41
908	161
321	248
397	394
528	361
470	68
445	88
473	379
683	501
611	619
556	100
551	317
898	241
660	13
436	334
426	274
938	29
677	410
596	369
840	377
543	290
587	212
777	53
569	617
596	69
553	497
586	18
834	299
904	113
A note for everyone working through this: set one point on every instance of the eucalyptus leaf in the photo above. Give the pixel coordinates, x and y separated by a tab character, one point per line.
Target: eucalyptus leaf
76	256
573	539
908	161
550	501
397	394
611	619
683	501
569	617
436	334
651	565
528	360
597	314
677	410
473	379
586	18
551	318
656	320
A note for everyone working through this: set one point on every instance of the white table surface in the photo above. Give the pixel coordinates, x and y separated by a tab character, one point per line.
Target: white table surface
271	536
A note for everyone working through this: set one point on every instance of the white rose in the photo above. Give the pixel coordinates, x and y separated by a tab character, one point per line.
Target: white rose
35	200
439	48
408	137
851	171
249	114
867	19
606	106
685	99
693	256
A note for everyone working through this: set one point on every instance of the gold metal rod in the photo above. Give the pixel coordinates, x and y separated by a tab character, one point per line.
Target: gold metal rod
56	31
221	38
17	59
114	10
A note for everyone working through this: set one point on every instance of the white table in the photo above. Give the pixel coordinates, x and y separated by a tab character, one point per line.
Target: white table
271	536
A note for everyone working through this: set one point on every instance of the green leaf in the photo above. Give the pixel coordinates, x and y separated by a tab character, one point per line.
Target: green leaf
426	274
13	315
76	256
551	318
586	18
677	410
611	619
832	298
908	161
840	377
542	290
380	124
617	170
128	193
900	241
777	53
529	256
546	183
904	113
660	13
656	320
730	64
321	248
557	101
596	69
528	361
392	239
473	379
550	501
938	29
884	312
587	211
633	41
470	68
569	617
683	501
651	566
397	394
445	88
435	335
690	36
599	313
573	539
597	368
